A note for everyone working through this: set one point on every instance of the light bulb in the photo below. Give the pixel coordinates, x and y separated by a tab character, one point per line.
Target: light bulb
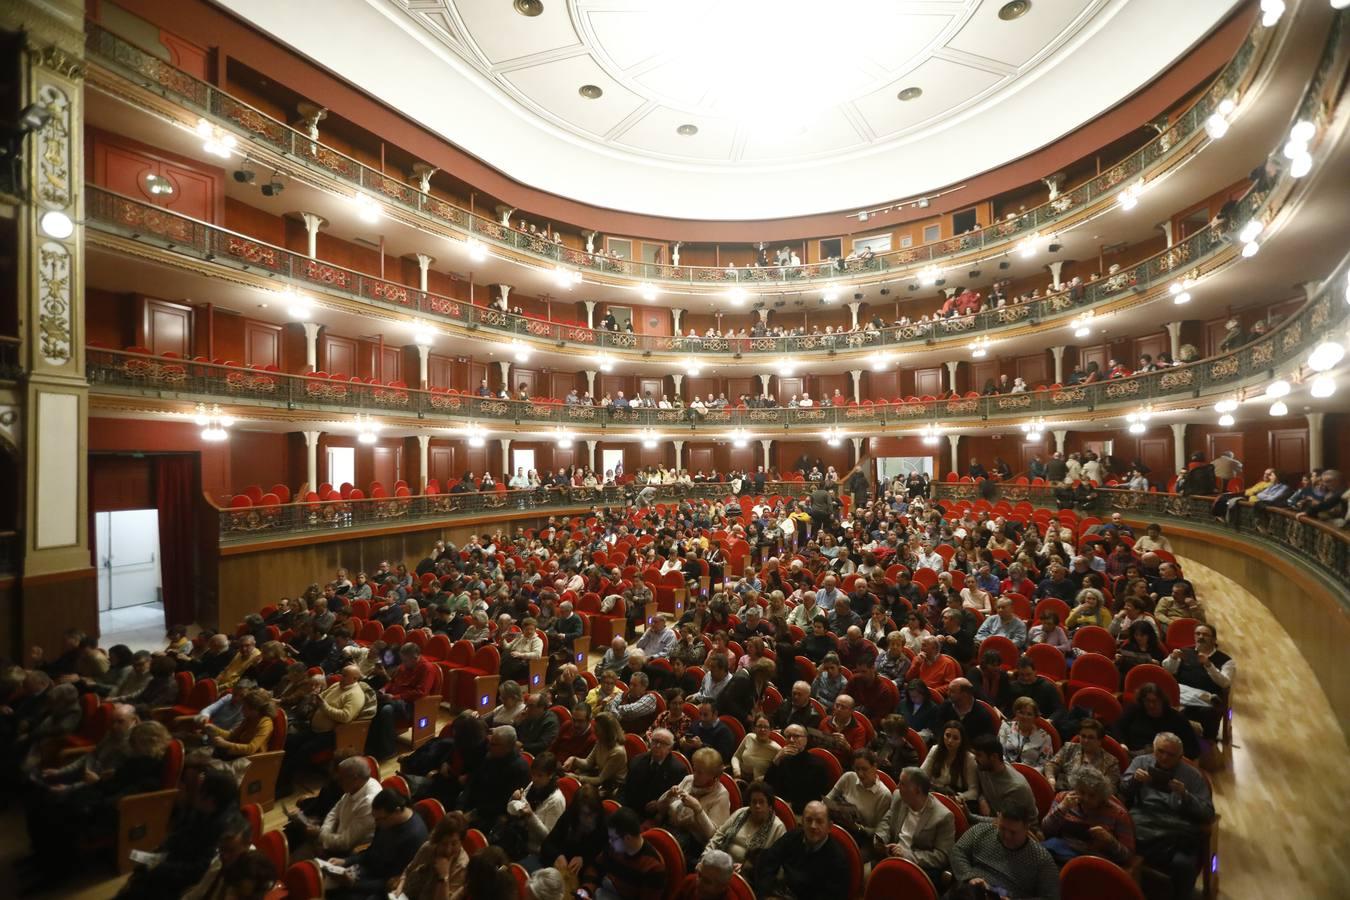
1278	408
1301	165
1251	231
1138	428
57	224
1250	249
1183	297
477	441
1277	389
477	252
1226	420
1323	386
1326	356
1226	106
1304	130
1216	126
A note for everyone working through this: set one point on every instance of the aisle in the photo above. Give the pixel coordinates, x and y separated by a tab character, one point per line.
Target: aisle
1284	791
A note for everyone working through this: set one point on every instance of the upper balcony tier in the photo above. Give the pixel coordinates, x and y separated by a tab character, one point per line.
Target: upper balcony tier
186	99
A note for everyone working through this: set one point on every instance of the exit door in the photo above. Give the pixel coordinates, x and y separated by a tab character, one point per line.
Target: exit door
127	549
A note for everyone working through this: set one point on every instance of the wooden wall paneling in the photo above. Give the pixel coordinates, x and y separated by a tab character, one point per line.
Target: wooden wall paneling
879	386
165	327
118	482
785	388
612	384
747	385
928	382
1214	331
123	165
828	384
227	336
1153	345
262	344
1218	442
387	466
982	372
1036	369
338	355
1288	450
1099	354
527	378
261	458
110	319
391	366
700	459
655	386
1156	453
441	464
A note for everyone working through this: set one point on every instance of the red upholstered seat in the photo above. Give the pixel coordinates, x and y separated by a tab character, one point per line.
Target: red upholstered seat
893	878
1098	879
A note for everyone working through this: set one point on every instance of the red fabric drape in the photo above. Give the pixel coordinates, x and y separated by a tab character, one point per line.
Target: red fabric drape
176	493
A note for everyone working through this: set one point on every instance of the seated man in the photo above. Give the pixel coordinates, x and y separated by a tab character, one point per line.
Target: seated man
1088	820
696	807
1001	786
191	844
636	707
658	640
1169	801
526	646
917	827
1204	673
806	863
399	834
1004	622
613	658
600	697
412	680
708	731
349	823
651	774
1001	856
795	774
538	726
567	627
492	782
841	732
798	709
935	668
216	657
961	706
633	869
710	879
338	704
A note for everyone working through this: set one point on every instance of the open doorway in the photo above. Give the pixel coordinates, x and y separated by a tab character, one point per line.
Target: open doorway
611	461
341	466
889	467
130	599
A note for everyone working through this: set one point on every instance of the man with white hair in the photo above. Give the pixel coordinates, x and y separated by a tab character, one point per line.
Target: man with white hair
711	878
545	884
614	657
652	774
1168	798
658	640
493	781
1004	623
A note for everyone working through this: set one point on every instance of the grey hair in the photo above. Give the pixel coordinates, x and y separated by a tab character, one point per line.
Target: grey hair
546	884
639	677
1167	737
1087	780
917	777
505	733
719	860
354	765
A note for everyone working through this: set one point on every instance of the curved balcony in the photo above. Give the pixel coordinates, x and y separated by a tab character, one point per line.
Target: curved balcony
123	58
1281	351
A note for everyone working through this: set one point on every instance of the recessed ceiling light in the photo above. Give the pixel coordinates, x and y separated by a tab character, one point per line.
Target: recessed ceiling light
910	93
529	8
590	91
1008	11
687	130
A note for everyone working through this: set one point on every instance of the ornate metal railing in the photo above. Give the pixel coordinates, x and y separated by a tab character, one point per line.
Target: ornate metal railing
286	519
1282	349
1312	541
204	99
110	212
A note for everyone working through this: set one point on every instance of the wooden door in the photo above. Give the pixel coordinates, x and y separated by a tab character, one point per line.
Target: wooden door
166	327
654	386
1153	345
980	373
527	378
339	355
387	461
1035	370
700	459
1156	453
441	465
786	387
391	365
440	371
928	382
1220	442
1289	450
879	386
1099	354
262	344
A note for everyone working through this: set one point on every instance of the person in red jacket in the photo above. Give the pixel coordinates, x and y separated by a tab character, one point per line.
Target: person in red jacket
414	679
935	668
876	697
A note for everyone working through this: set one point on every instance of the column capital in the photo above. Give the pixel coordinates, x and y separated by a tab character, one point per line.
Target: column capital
423	172
311	438
504	211
423	440
763	313
1055	268
1061	435
425	261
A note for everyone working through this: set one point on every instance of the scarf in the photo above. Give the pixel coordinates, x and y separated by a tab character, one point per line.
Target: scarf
758	841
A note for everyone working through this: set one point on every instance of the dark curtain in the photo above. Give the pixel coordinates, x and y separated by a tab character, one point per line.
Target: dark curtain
176	496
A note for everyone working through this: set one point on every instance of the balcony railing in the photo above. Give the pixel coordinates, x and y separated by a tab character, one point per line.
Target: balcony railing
203	99
146	223
1314	542
260	523
1282	349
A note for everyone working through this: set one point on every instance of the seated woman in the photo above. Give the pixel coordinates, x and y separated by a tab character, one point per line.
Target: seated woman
1089	611
920	709
878	627
1088	820
1023	740
950	765
511	706
914	631
1133	609
894	662
859	801
607	764
693	809
532	811
1050	632
752	758
1139	645
1149	716
250	736
892	747
437	871
1085	752
750	829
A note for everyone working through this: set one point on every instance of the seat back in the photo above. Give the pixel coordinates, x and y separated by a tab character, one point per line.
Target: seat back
1094	670
1049	661
1100	879
894	877
431	811
960	821
1103	704
303	881
854	856
1148	673
1095	639
669	848
273	845
1006	649
1040	788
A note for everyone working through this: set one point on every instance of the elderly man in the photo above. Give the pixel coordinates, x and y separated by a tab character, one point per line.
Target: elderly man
412	680
1088	820
804	863
1169	800
520	650
492	782
89	768
752	625
935	668
962	706
636	707
338	704
1204	673
538	726
804	613
798	709
1004	623
842	731
1179	603
658	640
711	877
829	594
613	658
917	827
567	626
796	775
1000	857
215	658
651	774
876	697
349	823
843	617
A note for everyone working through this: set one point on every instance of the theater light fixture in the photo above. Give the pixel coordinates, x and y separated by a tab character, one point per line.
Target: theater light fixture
1129	198
213	422
56	224
692	368
1278	408
831	293
1250	249
1251	231
833	437
1323	386
1271	10
566	277
929	275
367	208
1226	420
1082	324
739	439
298	306
1029	245
1340	4
1139	420
648	291
366	428
881	361
930	434
423	334
158	185
1296	148
650	439
979	348
477	252
736	295
563	437
1180	291
520	352
476	435
216	140
1225	406
604	362
1325	356
1035	429
1277	389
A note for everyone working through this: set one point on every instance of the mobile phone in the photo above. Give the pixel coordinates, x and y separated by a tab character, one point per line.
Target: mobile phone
1159	779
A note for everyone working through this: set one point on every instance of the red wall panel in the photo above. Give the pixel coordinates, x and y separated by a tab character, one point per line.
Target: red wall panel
122	165
337	355
262	344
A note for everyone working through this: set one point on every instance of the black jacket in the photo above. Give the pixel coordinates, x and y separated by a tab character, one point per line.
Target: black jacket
387	856
647	780
798	780
820	873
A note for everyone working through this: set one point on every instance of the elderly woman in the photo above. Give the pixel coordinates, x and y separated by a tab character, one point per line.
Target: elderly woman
894	662
511	706
756	752
1086	751
437	870
749	829
1023	740
696	807
860	790
480	632
1089	611
829	681
606	766
1050	632
250	736
1088	820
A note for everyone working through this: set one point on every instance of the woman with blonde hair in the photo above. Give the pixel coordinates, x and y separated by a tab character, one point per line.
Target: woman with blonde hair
606	766
1023	740
250	736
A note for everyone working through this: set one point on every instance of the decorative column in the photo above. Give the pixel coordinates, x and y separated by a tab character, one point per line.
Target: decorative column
44	413
763	313
504	294
1055	268
679	450
313	222
424	265
853	311
505	365
952	365
423	356
312	344
678	378
423	172
1174	338
590	313
507	471
955	440
1315	441
764	384
504	213
1179	445
675	253
311	460
1059	363
423	442
766	444
1053	184
1166	228
590	383
311	114
675	314
590	453
590	240
1061	435
857	384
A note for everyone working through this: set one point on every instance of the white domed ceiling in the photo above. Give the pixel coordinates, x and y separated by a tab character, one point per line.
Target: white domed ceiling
737	109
